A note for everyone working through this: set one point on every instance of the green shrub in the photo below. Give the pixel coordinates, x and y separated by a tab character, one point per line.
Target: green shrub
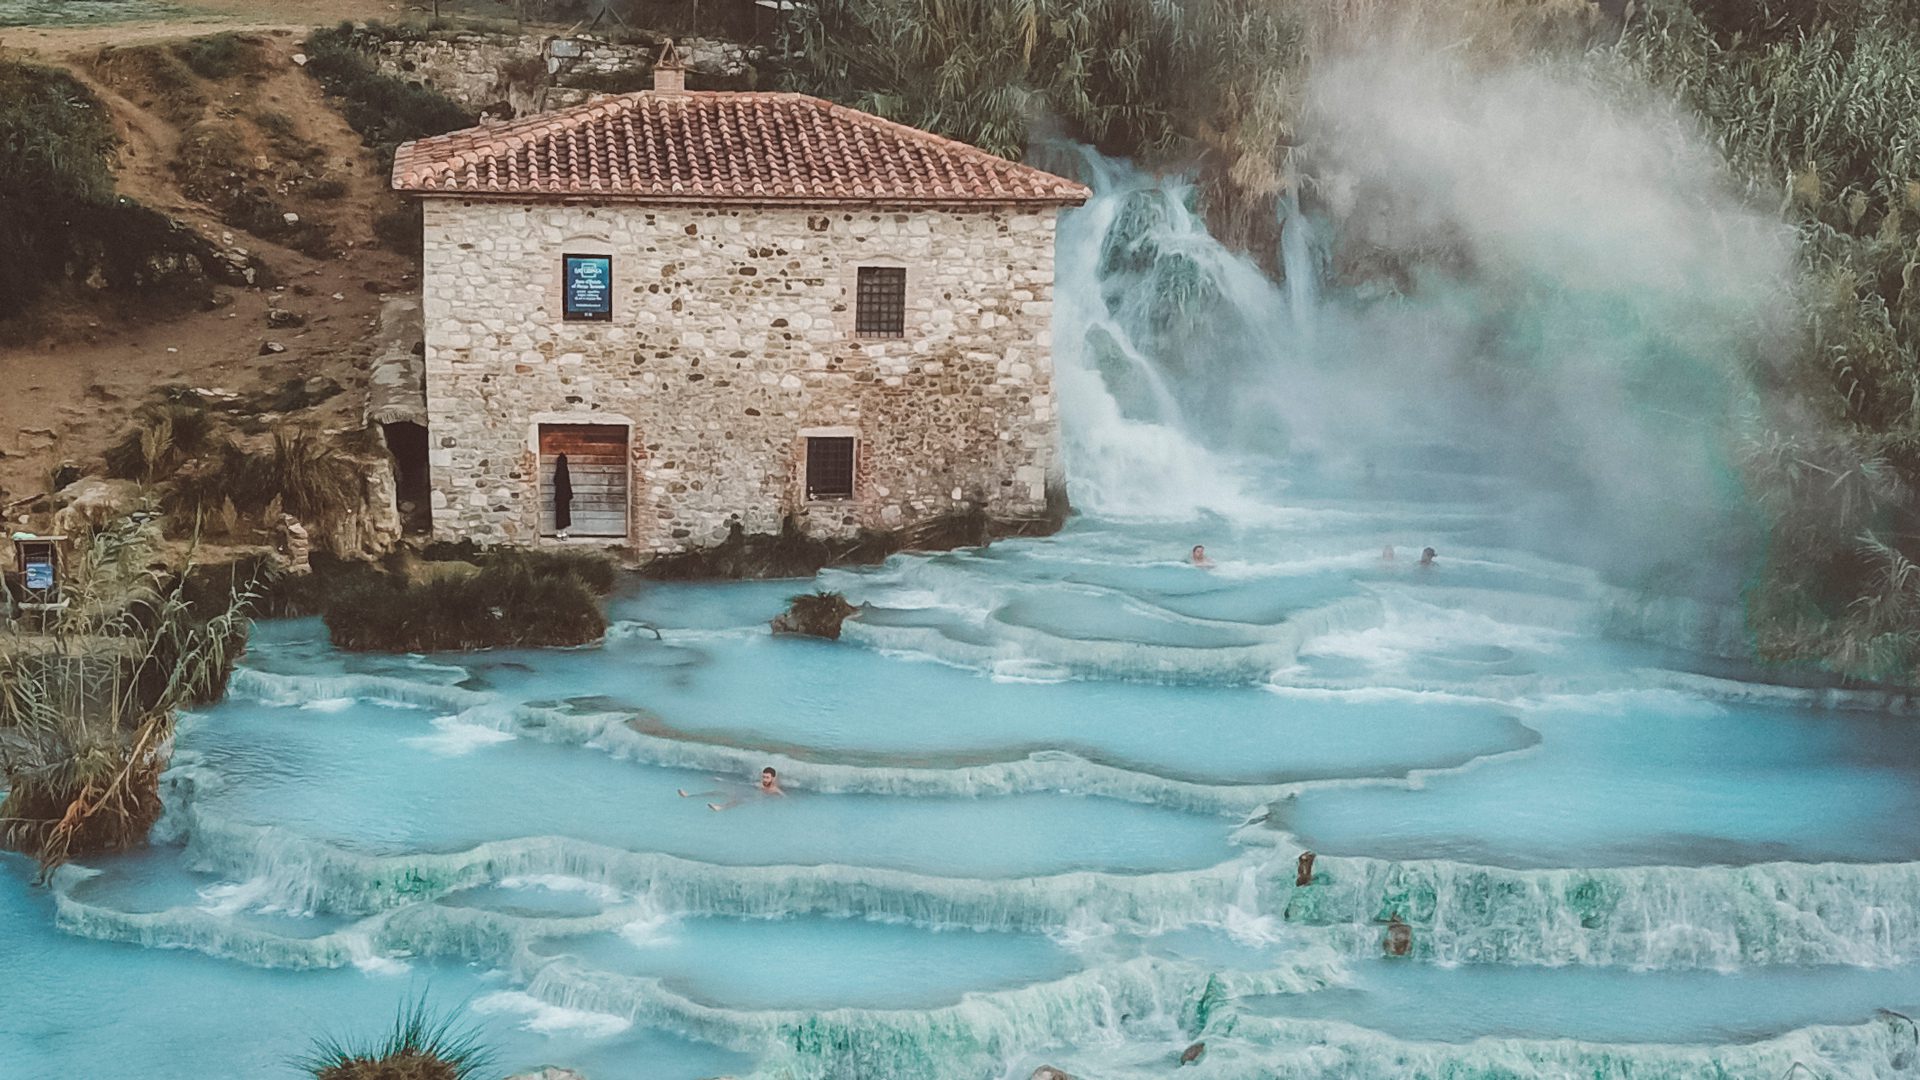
595	570
614	82
791	553
400	227
385	111
56	152
157	75
221	56
512	598
275	124
60	219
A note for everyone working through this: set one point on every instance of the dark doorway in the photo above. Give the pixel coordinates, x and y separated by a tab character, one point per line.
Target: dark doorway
407	442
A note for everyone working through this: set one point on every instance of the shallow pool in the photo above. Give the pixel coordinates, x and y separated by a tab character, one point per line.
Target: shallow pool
1043	803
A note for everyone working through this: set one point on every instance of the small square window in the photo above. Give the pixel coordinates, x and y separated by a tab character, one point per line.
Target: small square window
829	467
586	287
880	308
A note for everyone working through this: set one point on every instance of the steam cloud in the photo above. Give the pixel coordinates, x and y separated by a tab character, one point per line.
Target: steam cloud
1541	272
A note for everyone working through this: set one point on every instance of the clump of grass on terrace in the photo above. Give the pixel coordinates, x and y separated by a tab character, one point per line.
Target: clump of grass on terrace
301	472
510	598
816	614
164	436
423	1045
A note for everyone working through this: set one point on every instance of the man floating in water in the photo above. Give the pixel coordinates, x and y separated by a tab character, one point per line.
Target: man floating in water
769	785
1199	558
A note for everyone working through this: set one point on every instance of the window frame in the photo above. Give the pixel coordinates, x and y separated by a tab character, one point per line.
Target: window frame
853	469
567	311
887	303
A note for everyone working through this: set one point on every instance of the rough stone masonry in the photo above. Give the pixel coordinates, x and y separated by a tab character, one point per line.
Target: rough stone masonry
731	340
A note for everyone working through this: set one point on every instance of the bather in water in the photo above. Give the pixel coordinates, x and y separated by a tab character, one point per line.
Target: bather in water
769	785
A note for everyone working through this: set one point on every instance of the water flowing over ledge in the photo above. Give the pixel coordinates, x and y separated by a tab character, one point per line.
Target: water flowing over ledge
1649	918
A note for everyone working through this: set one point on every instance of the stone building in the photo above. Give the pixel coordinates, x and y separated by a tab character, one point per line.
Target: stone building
730	308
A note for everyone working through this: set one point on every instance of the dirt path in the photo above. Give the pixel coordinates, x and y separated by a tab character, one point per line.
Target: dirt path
69	396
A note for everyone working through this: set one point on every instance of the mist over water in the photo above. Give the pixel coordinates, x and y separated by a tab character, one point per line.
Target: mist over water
1533	274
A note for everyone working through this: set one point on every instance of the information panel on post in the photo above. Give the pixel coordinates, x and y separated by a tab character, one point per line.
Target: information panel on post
587	282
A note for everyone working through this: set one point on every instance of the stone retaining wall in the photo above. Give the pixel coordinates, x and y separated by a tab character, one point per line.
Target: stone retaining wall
484	71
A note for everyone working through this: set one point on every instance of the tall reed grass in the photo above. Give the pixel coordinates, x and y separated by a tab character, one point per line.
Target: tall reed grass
88	702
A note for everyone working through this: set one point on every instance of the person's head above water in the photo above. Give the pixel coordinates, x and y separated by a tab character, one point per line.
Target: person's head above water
1427	556
1199	556
769	780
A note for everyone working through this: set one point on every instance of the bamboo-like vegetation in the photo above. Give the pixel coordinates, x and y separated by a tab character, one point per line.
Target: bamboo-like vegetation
1817	108
1217	84
88	703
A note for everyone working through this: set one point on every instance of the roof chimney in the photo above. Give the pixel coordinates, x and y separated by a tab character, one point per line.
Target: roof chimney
669	71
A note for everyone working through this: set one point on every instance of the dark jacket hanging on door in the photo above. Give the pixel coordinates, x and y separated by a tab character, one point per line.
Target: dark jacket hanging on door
562	495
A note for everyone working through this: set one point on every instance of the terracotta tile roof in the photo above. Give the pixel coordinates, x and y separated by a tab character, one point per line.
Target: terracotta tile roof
705	146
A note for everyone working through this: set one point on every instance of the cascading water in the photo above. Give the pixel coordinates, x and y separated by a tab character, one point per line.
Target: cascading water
1046	798
1155	323
1302	274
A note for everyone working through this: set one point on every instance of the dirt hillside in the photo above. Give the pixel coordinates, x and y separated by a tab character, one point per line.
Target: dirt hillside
231	156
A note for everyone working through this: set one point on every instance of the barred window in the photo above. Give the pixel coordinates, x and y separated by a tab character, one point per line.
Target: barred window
880	308
829	467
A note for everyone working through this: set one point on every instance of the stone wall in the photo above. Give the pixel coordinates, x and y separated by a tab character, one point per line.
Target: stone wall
732	339
484	71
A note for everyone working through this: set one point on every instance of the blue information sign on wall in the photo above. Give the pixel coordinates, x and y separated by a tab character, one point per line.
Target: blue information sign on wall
39	576
587	281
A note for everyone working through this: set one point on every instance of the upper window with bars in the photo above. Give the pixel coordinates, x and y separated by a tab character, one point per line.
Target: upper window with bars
880	302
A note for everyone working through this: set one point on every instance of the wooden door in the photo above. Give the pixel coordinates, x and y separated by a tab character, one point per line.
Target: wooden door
597	467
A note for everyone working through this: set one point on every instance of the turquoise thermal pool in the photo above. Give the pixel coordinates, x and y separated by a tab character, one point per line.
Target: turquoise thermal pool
979	868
